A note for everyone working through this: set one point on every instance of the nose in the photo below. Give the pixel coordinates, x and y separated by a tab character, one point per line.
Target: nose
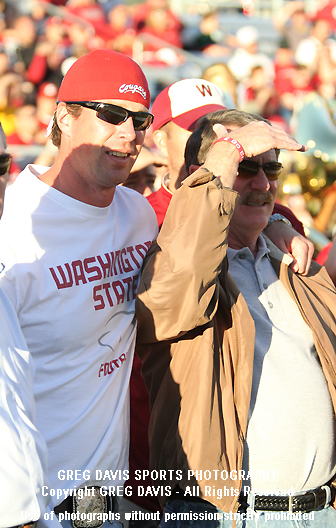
260	181
126	129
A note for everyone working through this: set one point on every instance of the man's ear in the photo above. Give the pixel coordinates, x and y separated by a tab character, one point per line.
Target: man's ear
193	168
160	140
63	118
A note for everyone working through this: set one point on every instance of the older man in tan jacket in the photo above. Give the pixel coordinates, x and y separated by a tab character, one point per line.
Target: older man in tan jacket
239	351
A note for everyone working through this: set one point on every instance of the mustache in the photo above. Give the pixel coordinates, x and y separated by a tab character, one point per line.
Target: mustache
257	198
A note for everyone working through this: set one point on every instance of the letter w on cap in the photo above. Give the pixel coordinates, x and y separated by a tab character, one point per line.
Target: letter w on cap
204	89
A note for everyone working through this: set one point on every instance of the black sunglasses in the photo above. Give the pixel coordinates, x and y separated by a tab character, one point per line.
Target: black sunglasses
117	114
248	169
5	163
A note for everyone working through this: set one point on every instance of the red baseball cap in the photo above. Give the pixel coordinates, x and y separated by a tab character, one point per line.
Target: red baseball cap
186	101
104	74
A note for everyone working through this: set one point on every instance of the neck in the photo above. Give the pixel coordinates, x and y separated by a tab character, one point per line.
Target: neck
235	242
58	178
176	178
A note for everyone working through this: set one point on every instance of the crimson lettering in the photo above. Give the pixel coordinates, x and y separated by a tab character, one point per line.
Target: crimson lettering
78	272
99	298
107	368
91	269
204	89
125	262
94	269
105	266
66	283
111	293
120	294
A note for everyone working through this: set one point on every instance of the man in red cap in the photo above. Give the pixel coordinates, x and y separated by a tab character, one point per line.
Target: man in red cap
73	242
176	110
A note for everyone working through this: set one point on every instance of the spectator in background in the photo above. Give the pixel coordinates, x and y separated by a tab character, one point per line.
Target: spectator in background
27	134
210	39
247	55
13	92
291	86
283	63
293	23
176	110
50	52
121	31
20	42
46	99
220	74
142	10
26	126
258	94
158	32
89	11
145	175
80	39
319	44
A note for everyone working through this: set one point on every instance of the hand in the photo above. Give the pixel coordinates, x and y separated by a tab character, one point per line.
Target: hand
255	138
290	242
258	137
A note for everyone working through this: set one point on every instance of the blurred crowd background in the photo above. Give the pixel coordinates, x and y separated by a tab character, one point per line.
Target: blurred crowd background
276	58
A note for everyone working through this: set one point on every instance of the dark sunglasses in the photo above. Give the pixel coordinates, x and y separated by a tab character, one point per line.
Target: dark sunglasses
116	114
5	163
248	169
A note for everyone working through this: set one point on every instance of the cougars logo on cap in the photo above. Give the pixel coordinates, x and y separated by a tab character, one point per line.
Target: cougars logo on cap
134	88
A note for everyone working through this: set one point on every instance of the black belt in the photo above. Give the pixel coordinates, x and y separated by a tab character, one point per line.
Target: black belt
303	502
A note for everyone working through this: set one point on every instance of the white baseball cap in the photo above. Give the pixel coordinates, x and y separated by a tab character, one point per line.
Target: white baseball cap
186	101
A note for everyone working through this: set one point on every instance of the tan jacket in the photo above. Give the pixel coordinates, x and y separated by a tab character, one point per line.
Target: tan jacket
196	337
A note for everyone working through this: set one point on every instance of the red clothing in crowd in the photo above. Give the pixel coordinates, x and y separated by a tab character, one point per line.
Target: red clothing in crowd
323	254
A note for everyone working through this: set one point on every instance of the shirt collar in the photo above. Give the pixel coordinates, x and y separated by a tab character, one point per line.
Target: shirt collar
263	250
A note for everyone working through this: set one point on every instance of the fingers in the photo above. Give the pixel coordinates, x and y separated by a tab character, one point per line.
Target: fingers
220	130
258	137
292	243
302	251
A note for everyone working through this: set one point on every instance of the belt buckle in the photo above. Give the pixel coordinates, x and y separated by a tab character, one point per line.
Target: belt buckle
86	509
250	501
328	495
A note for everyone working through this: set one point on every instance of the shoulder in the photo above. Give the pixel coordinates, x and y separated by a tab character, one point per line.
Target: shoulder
133	204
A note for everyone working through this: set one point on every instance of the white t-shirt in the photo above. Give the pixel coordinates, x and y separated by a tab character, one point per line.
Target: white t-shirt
23	451
71	272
